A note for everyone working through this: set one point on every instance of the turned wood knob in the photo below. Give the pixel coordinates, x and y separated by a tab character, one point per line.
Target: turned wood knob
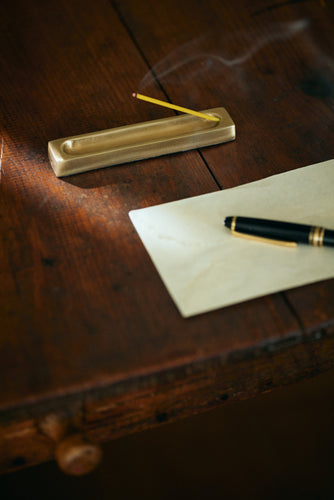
77	456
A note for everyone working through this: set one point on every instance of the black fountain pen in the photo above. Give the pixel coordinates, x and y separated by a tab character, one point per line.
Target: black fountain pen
281	233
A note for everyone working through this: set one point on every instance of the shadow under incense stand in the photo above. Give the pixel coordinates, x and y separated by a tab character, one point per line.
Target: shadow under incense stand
72	155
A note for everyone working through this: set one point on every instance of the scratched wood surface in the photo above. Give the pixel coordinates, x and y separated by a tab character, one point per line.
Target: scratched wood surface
84	316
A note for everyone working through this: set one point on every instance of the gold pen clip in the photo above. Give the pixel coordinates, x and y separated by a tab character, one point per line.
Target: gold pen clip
289	244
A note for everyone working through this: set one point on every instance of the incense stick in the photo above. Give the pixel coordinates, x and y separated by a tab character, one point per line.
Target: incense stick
173	106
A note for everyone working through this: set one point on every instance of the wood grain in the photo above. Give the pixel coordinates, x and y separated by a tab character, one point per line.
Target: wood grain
271	66
85	319
85	305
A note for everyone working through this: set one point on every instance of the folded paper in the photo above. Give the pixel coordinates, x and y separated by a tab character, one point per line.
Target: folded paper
205	267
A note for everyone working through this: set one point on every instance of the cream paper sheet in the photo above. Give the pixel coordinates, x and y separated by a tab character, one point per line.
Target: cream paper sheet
204	267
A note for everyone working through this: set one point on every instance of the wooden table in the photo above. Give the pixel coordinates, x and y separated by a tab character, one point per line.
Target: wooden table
90	337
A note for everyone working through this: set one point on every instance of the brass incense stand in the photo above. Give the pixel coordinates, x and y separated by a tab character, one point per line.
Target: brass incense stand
72	155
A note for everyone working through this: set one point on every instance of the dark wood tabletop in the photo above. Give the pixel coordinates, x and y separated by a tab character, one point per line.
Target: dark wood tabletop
87	328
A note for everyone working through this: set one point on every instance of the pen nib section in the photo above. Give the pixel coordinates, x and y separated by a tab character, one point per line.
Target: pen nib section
85	152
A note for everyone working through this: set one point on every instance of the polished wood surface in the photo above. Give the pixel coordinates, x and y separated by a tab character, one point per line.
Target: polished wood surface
86	323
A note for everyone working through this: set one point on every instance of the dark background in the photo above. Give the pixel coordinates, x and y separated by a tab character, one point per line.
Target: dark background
276	446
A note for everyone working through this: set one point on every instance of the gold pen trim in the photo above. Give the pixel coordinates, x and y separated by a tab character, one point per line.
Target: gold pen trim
316	236
289	244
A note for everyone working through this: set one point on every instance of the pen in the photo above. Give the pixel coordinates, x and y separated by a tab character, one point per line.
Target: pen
278	232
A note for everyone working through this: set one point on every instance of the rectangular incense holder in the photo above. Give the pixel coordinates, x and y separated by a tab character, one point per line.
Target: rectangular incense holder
72	155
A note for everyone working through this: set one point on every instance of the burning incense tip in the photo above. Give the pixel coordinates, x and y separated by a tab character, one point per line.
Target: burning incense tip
173	106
